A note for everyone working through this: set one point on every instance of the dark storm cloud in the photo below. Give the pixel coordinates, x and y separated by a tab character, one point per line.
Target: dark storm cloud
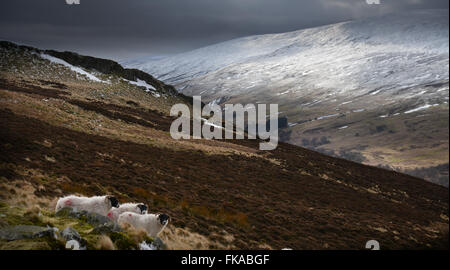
127	28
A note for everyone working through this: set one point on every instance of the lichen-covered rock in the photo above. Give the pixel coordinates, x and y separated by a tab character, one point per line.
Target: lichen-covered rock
27	232
65	212
96	219
90	218
70	233
107	228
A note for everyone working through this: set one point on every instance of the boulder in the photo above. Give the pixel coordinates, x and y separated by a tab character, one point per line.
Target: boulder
70	233
97	220
107	228
159	244
20	232
90	218
101	224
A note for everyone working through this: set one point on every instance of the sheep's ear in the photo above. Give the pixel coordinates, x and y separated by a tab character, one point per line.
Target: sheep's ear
108	199
113	201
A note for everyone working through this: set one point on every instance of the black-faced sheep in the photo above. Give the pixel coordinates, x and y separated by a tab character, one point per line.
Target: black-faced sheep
151	223
99	204
138	208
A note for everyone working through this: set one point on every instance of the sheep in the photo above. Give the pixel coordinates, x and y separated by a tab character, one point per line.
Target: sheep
99	204
153	224
138	208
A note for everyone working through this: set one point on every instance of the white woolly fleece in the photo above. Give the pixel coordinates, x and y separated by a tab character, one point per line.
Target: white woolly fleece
99	204
114	213
148	222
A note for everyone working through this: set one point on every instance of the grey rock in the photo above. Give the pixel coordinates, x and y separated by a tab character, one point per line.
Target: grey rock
96	219
70	233
107	228
27	232
159	244
91	218
102	224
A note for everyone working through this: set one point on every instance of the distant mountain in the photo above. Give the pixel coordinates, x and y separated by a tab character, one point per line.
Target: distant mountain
142	60
372	88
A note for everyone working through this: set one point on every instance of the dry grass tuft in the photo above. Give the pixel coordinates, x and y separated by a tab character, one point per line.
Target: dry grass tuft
105	243
137	235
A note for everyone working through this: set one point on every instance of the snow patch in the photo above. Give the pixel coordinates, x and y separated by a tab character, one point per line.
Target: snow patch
211	124
73	68
374	93
327	116
148	87
424	107
284	93
145	246
358	110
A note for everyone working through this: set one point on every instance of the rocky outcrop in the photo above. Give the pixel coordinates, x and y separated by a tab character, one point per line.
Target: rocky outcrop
20	232
100	223
70	234
104	66
111	68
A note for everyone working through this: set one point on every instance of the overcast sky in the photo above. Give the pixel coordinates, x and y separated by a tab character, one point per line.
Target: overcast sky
121	29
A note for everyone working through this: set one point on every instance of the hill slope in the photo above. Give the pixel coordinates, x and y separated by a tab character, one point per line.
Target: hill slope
64	132
368	89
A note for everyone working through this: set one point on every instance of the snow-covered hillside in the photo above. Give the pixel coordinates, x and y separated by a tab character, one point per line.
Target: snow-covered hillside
368	56
375	91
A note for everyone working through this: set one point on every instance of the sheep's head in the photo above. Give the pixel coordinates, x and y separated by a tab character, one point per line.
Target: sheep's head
113	201
143	208
163	219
